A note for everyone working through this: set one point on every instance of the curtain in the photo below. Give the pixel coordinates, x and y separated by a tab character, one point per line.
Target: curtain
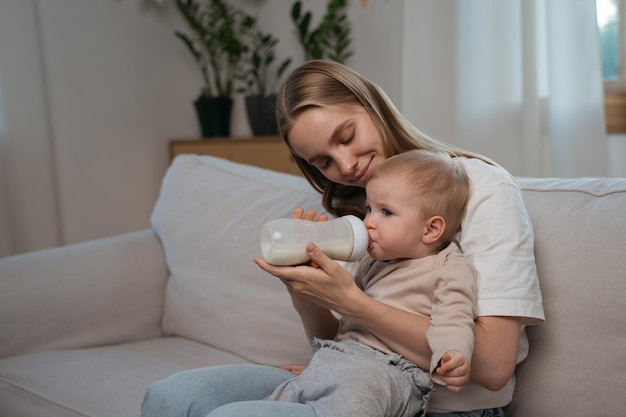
519	81
6	241
29	217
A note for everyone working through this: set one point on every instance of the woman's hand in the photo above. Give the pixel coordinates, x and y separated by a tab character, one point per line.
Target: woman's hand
309	215
295	368
323	283
328	287
316	290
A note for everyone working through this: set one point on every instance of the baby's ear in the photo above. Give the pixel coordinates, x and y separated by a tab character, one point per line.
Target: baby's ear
435	226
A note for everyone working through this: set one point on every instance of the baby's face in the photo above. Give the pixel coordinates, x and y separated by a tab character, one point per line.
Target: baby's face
394	223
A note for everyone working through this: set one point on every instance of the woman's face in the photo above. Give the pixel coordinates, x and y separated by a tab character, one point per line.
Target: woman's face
340	141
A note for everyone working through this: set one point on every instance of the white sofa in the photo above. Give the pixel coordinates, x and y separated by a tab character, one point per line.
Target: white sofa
84	329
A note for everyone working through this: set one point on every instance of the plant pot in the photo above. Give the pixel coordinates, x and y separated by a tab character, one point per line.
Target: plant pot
262	114
214	114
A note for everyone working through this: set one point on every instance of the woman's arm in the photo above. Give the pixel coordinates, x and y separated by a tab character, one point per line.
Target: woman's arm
495	350
317	321
497	235
331	287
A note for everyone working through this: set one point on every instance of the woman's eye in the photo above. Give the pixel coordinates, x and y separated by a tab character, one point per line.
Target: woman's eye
323	164
349	138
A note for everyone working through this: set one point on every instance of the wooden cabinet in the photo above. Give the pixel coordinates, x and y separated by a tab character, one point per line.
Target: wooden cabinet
263	151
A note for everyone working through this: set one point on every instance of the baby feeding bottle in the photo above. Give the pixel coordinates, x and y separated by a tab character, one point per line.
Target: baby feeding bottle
283	241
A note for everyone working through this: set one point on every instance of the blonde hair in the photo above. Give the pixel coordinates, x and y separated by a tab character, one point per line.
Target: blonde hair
322	83
440	183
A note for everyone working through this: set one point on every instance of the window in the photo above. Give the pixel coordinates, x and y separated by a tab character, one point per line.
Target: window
611	26
610	15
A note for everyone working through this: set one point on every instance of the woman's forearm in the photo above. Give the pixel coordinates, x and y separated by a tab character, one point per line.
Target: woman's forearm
318	322
495	350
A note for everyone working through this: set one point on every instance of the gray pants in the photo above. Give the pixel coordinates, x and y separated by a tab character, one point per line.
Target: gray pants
347	379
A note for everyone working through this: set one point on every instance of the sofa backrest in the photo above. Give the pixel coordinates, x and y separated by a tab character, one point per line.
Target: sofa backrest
577	360
208	216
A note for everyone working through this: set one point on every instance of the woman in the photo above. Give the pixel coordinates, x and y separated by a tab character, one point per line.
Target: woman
339	127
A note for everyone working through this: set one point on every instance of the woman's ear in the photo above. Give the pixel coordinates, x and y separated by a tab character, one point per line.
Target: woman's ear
435	226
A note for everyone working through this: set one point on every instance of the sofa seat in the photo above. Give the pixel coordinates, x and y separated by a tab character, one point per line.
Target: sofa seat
96	381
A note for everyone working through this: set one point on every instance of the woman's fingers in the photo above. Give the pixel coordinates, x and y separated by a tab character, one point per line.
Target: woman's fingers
295	368
298	213
277	271
319	258
309	215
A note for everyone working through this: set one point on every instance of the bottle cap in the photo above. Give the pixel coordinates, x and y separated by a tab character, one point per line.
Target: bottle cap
361	238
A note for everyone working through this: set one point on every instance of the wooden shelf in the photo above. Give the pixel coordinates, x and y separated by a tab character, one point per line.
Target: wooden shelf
268	152
615	112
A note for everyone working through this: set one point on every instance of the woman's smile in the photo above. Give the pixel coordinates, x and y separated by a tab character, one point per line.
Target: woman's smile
362	177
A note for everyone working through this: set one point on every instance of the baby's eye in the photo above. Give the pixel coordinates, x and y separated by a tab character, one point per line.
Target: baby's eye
386	212
368	209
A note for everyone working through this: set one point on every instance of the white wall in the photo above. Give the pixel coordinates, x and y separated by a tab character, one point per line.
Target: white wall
428	51
116	94
617	155
92	92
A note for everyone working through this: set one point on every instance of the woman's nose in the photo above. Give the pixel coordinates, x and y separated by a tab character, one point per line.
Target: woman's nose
347	164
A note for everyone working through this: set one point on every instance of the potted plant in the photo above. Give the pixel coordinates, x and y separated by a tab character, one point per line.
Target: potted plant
330	39
216	41
261	78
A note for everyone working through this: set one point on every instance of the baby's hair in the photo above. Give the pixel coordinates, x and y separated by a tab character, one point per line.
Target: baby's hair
440	181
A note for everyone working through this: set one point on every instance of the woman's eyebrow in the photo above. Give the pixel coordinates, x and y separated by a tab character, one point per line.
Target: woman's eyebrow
336	135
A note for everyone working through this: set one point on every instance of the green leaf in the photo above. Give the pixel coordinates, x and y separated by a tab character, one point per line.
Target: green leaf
189	44
283	67
295	10
304	24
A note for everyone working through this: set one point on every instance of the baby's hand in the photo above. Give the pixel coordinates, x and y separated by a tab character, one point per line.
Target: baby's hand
454	369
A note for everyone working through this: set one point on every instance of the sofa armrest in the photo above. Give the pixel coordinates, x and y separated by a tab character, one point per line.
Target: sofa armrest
94	293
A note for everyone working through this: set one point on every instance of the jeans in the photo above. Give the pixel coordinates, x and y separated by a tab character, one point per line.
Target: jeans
220	391
234	391
489	412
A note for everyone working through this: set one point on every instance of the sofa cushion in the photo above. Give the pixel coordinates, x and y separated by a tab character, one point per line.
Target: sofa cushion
576	362
93	293
103	381
208	216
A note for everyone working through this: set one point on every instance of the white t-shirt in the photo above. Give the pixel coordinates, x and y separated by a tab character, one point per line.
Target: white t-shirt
497	235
